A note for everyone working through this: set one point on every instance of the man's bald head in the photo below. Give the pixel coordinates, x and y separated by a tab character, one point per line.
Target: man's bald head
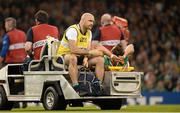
87	21
106	19
86	15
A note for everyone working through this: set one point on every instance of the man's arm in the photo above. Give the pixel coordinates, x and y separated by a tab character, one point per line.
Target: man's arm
71	35
75	50
128	50
89	41
5	48
28	44
28	47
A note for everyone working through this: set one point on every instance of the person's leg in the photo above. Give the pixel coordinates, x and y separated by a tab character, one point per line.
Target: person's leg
101	48
99	63
71	61
104	50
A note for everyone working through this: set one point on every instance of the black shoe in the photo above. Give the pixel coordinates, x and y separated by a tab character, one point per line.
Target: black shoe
83	93
79	91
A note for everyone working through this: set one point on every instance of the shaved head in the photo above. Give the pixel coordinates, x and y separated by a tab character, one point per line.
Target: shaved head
86	15
106	19
87	21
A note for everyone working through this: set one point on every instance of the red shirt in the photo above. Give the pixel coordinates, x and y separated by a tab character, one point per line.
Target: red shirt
110	36
39	36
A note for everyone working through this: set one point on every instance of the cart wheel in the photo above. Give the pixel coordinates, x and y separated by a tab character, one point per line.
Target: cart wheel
53	101
4	103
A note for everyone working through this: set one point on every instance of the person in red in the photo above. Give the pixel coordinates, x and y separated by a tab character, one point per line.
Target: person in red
109	34
123	26
13	43
37	35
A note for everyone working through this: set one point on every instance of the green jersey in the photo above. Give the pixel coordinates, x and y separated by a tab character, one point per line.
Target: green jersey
108	62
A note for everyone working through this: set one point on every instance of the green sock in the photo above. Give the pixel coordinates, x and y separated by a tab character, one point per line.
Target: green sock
75	85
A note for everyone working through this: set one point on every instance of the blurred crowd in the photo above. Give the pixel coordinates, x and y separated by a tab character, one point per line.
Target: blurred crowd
154	27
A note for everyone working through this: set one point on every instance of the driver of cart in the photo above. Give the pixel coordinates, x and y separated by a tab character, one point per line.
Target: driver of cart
75	49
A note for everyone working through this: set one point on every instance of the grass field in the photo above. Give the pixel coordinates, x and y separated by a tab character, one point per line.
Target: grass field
94	109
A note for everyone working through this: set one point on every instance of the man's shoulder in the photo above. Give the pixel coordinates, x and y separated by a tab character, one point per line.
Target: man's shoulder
72	28
21	31
15	31
110	26
52	26
44	25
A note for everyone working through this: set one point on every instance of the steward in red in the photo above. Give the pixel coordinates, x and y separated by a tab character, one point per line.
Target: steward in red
13	43
16	53
37	35
109	35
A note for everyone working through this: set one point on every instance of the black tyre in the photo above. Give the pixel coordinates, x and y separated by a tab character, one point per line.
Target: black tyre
52	100
109	104
4	103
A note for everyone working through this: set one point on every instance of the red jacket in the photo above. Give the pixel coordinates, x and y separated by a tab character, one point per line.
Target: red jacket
110	36
16	52
39	36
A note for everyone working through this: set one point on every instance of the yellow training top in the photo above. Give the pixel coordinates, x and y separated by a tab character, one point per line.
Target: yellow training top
82	40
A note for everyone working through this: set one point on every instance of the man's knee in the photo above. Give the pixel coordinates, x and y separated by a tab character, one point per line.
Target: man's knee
100	60
73	59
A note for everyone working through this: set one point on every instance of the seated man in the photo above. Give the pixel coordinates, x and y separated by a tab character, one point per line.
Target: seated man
110	57
75	48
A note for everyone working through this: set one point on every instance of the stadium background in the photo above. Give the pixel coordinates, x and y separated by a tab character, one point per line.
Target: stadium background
154	27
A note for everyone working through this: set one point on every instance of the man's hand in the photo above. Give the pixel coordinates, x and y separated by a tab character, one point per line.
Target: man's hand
1	59
117	59
30	53
114	57
121	59
85	62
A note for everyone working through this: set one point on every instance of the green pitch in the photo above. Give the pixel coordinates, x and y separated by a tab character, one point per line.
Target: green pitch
94	109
